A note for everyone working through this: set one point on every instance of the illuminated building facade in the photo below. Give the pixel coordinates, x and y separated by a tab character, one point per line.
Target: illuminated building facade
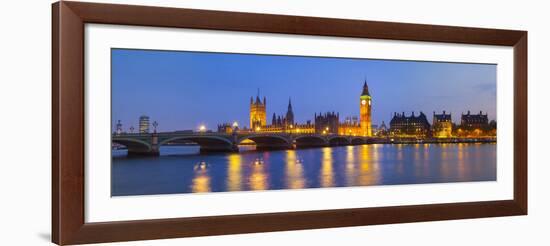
307	128
442	125
279	123
257	113
144	124
327	123
350	126
409	126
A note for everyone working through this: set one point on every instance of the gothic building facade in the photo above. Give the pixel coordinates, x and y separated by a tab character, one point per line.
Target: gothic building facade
257	113
409	126
474	121
327	123
287	120
475	125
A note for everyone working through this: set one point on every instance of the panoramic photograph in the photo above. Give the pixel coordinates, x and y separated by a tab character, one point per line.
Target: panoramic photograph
199	122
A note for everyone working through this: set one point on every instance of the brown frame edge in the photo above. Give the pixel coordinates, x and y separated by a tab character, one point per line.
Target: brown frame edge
68	224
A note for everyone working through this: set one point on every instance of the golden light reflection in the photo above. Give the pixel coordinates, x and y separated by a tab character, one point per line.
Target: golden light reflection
350	165
234	173
416	153
258	177
327	175
418	168
201	181
461	162
375	155
426	159
294	171
367	176
445	169
399	152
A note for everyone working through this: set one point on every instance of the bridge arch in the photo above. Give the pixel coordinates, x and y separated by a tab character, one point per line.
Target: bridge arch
206	143
133	144
310	141
358	141
267	141
339	140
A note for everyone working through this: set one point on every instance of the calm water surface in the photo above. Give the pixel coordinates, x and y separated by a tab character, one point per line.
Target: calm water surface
180	169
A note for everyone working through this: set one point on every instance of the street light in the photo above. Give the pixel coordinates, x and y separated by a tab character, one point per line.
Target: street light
202	128
235	124
155	124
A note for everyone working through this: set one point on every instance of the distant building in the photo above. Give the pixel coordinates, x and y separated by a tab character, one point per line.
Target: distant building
474	121
118	128
442	125
307	128
279	123
382	130
144	124
475	125
289	114
226	128
326	123
409	126
286	121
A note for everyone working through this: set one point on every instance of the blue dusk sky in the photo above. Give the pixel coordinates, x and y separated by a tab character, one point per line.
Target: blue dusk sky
182	90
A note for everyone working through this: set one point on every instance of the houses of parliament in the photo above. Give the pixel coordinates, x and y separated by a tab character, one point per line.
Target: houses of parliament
324	123
401	126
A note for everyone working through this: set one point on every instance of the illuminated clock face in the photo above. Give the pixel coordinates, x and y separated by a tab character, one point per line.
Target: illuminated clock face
363	102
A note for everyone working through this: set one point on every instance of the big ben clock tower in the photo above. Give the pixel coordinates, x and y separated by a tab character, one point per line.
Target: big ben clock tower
365	111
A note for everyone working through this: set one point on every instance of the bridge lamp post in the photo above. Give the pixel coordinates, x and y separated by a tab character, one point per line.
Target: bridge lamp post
155	124
235	127
202	128
131	129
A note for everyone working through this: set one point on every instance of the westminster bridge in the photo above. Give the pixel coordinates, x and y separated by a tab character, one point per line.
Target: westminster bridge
148	144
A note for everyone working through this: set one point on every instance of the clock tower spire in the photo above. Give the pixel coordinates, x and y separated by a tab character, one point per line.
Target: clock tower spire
365	119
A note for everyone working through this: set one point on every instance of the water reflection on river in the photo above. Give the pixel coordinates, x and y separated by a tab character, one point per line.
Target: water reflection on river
180	169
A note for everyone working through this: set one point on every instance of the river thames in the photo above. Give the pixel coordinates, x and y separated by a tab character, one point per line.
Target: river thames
181	169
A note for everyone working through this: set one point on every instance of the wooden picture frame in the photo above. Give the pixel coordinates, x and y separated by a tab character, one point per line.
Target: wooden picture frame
68	108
